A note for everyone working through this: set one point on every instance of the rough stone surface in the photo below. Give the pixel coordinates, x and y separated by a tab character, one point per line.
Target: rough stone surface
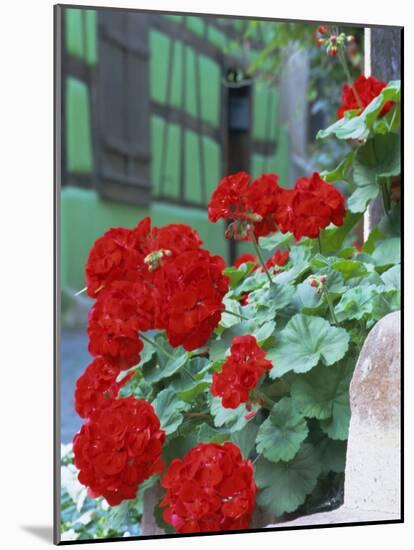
372	480
372	475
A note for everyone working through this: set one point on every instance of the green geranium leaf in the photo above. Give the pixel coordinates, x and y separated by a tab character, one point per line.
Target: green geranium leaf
354	128
165	366
356	303
387	252
350	268
207	433
238	274
333	238
285	485
169	408
379	158
323	394
359	199
392	277
332	455
274	298
227	319
276	240
370	244
340	173
304	342
358	127
282	433
233	419
245	439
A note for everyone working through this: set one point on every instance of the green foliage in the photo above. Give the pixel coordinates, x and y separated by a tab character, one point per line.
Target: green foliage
304	342
169	409
282	433
285	485
360	127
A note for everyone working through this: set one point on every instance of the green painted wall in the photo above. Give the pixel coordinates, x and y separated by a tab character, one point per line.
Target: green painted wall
84	216
78	127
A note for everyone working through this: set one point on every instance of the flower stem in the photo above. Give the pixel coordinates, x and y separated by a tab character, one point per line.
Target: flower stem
259	255
331	309
235	315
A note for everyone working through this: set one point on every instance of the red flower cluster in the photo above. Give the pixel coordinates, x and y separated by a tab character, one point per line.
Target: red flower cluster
264	207
367	88
315	204
147	278
240	373
252	206
118	448
141	278
192	288
211	489
96	384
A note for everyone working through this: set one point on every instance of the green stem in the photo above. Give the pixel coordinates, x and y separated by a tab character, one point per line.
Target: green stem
320	243
259	255
235	315
385	186
331	309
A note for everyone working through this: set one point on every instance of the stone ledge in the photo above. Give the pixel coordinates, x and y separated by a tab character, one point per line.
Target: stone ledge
340	516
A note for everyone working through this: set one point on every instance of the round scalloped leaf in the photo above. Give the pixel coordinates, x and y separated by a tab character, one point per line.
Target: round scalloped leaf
281	434
304	342
168	408
285	485
324	394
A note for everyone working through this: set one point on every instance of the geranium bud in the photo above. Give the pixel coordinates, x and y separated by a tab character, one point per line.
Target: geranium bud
333	39
333	51
322	279
320	41
313	283
350	39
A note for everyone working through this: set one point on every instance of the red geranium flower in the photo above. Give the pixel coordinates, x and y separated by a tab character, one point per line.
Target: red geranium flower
315	204
192	288
251	206
367	88
116	256
263	198
118	448
121	311
240	373
278	259
211	489
97	384
94	385
229	198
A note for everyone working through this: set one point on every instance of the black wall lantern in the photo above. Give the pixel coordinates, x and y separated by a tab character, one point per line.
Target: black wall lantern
239	108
